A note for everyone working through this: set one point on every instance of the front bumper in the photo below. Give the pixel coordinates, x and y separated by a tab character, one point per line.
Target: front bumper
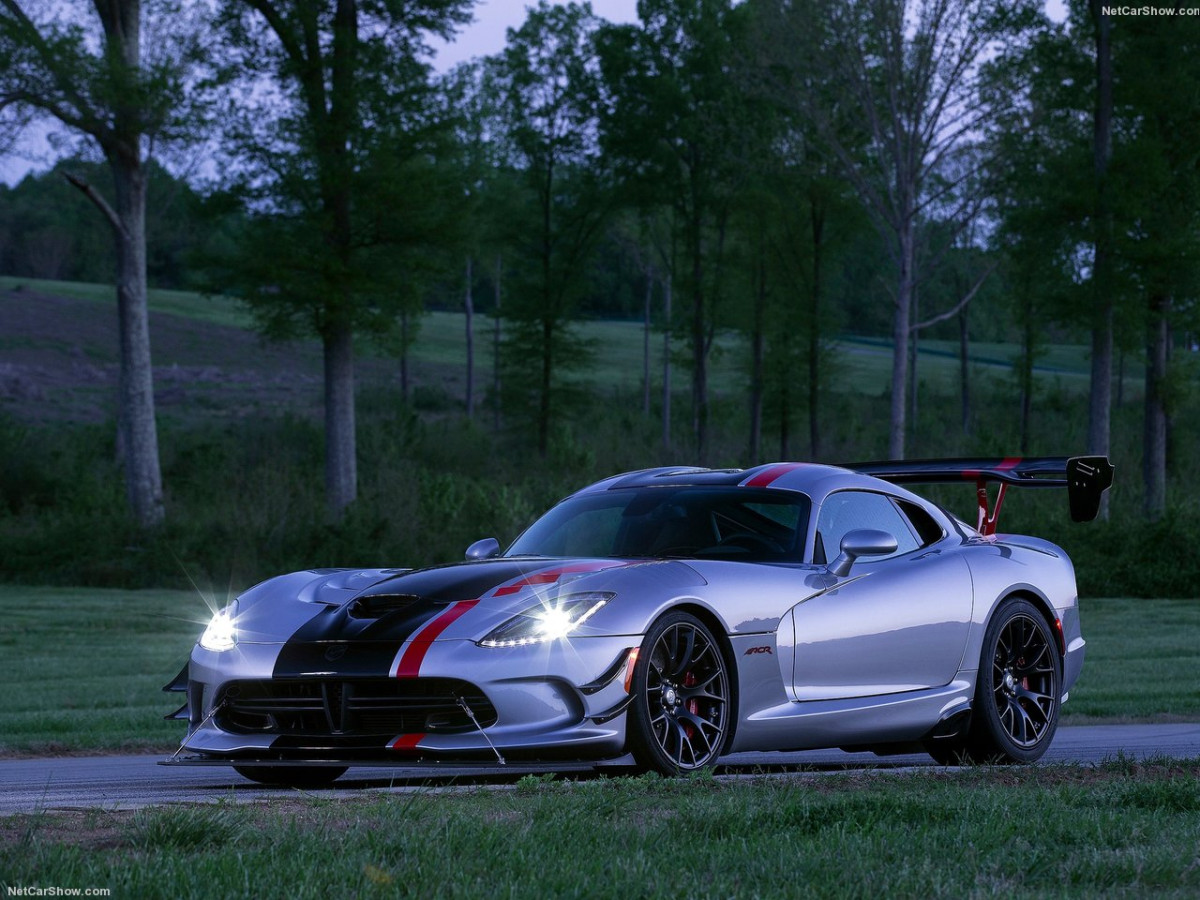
565	699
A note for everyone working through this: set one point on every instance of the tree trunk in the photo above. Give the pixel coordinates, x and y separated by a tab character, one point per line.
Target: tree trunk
646	343
341	475
1120	399
1026	375
137	433
964	368
496	335
699	353
785	423
756	363
814	333
543	416
914	346
1154	455
900	336
469	310
405	387
666	403
1100	403
136	420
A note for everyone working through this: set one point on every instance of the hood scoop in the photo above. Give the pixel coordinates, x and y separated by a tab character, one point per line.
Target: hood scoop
376	606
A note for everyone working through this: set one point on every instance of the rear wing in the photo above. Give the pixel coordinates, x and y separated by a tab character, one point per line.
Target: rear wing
1086	478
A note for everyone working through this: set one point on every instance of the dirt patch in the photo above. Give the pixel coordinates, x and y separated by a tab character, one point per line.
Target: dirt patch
59	362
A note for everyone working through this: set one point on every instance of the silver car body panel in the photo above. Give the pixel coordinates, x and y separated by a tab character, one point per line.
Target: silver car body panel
876	658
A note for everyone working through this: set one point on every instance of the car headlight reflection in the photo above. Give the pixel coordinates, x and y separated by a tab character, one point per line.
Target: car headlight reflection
221	633
550	620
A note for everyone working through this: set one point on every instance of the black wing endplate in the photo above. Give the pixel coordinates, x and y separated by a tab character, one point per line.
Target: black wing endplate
1086	478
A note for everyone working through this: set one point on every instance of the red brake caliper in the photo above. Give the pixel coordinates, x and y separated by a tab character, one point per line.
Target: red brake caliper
693	705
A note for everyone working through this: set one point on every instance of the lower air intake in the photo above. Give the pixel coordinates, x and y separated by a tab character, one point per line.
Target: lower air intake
380	707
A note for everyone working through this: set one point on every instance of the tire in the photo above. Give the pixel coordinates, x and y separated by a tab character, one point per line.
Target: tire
1017	691
292	776
679	719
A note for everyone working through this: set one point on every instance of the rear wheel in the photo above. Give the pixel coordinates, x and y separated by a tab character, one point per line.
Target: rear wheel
679	718
292	776
1015	714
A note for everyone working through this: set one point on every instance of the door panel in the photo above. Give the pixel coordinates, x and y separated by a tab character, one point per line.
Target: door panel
892	625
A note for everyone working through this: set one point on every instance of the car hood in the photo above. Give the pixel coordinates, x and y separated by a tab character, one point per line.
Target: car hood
355	621
389	604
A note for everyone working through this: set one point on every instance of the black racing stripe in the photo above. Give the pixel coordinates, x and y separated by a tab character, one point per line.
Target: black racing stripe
460	581
337	641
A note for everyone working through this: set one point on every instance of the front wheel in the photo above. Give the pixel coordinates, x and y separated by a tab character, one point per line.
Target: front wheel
1017	691
679	717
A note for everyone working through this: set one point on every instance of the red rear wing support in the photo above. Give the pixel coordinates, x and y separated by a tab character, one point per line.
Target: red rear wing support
1086	478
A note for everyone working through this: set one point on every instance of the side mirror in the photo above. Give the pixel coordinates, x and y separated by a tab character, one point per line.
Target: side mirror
484	549
861	542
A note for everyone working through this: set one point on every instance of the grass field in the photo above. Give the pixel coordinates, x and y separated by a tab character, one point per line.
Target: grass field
863	364
85	667
1120	830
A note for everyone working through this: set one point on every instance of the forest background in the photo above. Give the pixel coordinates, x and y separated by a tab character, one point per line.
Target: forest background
756	189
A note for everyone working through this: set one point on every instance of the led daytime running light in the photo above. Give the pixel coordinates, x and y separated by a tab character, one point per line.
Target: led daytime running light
550	620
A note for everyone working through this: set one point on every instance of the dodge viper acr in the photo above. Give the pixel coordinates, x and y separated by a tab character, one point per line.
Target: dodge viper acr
675	614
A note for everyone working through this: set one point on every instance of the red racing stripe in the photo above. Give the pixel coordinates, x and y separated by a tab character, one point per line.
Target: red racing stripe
407	742
410	662
1006	464
769	475
550	576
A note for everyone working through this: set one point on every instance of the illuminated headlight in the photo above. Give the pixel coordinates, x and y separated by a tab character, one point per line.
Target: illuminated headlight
550	620
221	633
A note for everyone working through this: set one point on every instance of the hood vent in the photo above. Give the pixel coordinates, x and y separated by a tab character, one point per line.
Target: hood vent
376	606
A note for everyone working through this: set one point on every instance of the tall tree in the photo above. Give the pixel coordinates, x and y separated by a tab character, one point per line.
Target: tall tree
906	73
1154	196
94	76
1041	179
330	88
680	126
1100	404
546	88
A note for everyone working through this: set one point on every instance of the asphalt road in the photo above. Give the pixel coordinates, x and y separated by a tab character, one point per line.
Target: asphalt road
129	782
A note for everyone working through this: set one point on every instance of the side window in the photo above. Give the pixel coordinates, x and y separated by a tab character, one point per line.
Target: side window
850	510
926	527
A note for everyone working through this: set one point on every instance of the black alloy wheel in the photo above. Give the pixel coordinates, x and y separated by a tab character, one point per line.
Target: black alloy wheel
1015	714
679	718
1025	680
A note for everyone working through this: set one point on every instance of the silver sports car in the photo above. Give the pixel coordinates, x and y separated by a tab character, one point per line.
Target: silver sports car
675	614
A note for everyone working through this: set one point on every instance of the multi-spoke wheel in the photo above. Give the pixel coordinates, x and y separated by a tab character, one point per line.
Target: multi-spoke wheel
1017	694
679	718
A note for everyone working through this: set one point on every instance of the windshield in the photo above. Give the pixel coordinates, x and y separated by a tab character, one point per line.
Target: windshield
734	523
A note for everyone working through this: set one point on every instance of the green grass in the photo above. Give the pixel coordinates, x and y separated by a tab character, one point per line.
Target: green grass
862	364
216	310
1121	830
1143	661
84	668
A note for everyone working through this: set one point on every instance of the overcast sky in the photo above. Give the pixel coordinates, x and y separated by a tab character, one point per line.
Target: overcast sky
492	17
483	37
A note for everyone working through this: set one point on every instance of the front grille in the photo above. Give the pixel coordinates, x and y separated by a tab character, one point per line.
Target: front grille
370	707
